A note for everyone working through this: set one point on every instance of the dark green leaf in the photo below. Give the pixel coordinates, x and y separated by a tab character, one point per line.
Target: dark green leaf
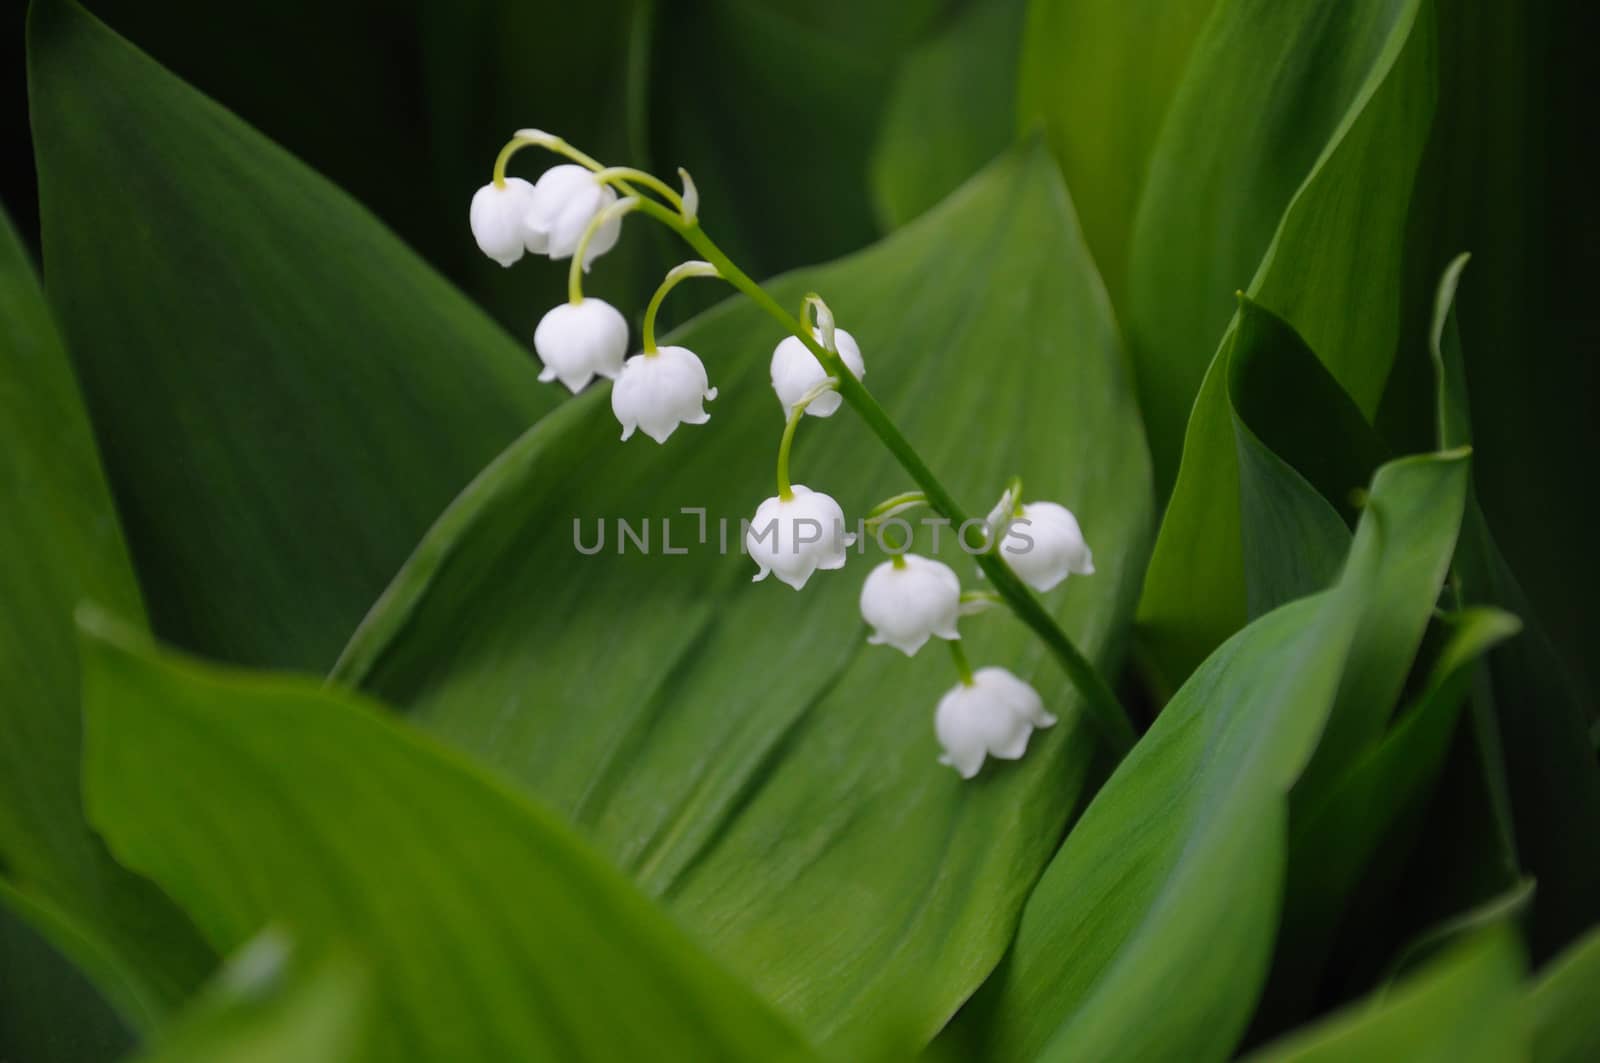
1530	713
949	111
284	394
1338	826
60	542
1271	94
1175	871
49	1012
1274	445
739	749
1463	1008
490	931
774	106
1561	1005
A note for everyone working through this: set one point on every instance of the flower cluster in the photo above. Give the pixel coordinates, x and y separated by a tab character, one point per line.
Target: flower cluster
574	211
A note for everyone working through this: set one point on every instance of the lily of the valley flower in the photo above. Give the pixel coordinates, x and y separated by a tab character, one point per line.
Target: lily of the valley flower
579	341
1044	545
992	715
795	536
500	220
565	199
659	390
796	372
910	600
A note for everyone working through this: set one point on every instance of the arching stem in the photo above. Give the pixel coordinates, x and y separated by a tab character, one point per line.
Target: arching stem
676	275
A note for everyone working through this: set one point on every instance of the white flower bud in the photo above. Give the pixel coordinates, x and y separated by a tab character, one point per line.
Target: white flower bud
906	605
1044	545
578	341
994	716
500	220
565	199
796	371
796	536
659	391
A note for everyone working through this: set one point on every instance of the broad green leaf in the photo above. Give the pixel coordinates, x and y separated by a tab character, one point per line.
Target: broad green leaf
774	106
739	749
273	1004
1175	871
949	110
1529	714
60	542
285	396
1337	828
1256	526
1099	75
1270	96
1462	1008
1338	292
1561	1005
490	931
49	1011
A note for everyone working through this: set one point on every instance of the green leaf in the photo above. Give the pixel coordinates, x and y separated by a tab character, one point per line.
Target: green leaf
490	931
1256	524
1338	292
270	1004
740	749
1099	76
1462	1008
1270	97
1175	871
949	110
1561	1005
1530	714
59	543
774	106
284	394
49	1011
1338	827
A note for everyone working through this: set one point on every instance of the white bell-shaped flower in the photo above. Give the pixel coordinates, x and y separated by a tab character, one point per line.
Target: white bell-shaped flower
659	390
793	537
579	341
992	716
565	200
796	373
1045	545
500	220
909	601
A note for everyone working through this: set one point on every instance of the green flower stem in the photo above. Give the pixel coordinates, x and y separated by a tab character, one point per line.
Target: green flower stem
959	656
599	221
621	176
785	492
1103	707
677	274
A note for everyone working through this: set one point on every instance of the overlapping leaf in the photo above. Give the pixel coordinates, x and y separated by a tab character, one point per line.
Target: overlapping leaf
1560	1005
1331	273
489	930
1175	871
1271	93
1462	1008
949	110
59	542
273	1003
1099	76
285	396
739	749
